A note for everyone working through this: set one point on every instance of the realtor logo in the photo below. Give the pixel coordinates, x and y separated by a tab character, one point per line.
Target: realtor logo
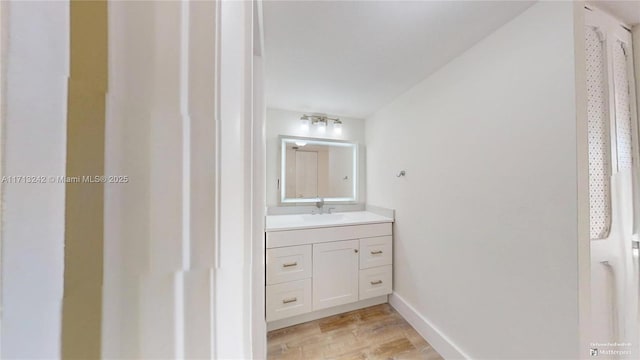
594	351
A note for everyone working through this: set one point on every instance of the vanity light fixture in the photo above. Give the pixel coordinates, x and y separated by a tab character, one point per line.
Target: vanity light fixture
321	122
301	143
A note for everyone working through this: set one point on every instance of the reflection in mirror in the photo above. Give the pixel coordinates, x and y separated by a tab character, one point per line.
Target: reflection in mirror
313	168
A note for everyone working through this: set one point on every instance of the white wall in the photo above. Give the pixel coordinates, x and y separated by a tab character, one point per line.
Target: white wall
287	122
37	67
486	238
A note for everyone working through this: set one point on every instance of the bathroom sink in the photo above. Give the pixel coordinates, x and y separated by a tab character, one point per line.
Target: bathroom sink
323	217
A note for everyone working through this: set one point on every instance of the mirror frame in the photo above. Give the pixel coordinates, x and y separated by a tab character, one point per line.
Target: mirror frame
284	139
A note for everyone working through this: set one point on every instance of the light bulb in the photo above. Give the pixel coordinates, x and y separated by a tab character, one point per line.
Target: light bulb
337	127
304	124
322	126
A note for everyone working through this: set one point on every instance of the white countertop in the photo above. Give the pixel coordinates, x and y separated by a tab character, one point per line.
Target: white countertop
308	221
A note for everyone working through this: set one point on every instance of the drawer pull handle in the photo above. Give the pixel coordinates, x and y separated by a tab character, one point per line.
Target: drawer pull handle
290	264
376	282
289	300
376	252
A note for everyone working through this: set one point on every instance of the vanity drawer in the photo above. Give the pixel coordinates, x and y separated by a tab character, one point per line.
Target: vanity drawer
375	251
288	299
288	264
375	282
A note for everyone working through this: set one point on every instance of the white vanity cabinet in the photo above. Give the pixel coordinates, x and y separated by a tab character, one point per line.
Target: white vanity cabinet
320	269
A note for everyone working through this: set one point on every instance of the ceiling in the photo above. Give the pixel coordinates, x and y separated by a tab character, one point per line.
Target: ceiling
627	11
349	58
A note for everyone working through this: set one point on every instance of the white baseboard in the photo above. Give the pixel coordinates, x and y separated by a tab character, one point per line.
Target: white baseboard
440	342
318	314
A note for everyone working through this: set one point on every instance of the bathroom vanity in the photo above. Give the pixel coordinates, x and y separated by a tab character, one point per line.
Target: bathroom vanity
321	265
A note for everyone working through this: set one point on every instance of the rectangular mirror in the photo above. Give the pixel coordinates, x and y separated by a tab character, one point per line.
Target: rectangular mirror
317	168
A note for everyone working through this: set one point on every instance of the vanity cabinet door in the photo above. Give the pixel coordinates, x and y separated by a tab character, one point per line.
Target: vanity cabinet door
335	273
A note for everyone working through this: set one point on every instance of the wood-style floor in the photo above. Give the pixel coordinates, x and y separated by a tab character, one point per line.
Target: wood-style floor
377	332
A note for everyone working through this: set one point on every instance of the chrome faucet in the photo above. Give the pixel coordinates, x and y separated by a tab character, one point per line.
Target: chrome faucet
320	204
